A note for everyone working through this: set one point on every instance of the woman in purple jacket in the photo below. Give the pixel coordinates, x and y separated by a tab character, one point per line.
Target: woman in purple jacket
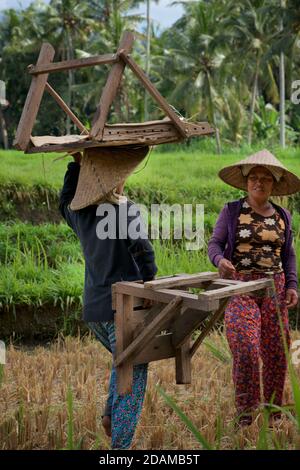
252	237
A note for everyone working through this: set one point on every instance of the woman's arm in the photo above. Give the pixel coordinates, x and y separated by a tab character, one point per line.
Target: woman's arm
289	267
217	242
139	246
289	258
69	187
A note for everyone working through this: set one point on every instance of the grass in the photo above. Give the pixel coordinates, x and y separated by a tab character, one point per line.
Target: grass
43	265
52	398
183	175
182	166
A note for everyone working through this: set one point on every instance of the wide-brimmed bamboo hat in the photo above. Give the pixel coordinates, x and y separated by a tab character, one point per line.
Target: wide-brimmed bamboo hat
102	169
285	182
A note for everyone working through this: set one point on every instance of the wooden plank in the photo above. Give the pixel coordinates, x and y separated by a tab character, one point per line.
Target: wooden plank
216	316
183	280
110	89
142	318
164	105
166	295
198	128
159	348
66	108
115	135
64	139
124	334
150	331
220	283
33	100
137	303
227	282
245	287
192	127
87	144
73	64
186	324
183	364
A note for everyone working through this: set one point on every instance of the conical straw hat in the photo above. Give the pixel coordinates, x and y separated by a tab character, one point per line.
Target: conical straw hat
102	169
285	182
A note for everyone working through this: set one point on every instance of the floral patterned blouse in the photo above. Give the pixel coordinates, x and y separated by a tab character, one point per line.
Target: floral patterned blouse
258	241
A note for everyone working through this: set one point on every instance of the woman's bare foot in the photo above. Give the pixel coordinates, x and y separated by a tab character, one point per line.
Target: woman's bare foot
106	423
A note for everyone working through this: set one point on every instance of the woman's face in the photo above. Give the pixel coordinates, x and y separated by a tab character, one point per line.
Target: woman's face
260	183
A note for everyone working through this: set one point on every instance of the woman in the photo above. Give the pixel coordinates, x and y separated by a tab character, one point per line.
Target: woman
92	191
252	237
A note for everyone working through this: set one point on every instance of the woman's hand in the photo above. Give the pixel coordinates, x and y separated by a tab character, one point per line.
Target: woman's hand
226	269
291	298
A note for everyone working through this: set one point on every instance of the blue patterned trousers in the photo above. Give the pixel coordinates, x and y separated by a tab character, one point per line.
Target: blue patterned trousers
124	410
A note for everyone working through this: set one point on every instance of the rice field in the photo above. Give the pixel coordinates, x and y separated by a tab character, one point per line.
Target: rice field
52	395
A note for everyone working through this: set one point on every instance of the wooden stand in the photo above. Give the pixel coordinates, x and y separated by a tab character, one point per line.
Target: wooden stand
165	330
102	134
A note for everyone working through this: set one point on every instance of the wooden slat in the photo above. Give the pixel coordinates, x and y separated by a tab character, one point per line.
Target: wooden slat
66	108
227	282
73	64
216	316
119	134
110	89
158	349
183	364
124	335
39	141
136	301
150	331
164	105
166	295
33	100
245	287
146	317
79	145
186	324
183	280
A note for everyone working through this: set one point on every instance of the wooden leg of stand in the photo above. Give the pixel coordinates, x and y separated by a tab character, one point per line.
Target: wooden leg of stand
124	336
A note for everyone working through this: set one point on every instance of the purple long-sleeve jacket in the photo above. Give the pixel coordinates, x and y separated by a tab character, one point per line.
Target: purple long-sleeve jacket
222	243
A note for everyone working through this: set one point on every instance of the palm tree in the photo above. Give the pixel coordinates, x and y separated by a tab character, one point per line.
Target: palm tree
286	46
252	32
69	21
194	52
148	55
105	39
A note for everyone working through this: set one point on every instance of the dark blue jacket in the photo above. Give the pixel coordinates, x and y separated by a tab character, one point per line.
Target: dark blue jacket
106	260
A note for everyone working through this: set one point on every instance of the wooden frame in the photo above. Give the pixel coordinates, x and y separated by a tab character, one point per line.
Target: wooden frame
173	129
177	311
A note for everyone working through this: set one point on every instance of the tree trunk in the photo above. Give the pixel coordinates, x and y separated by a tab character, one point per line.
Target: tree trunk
146	113
3	130
212	113
70	56
253	101
282	91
